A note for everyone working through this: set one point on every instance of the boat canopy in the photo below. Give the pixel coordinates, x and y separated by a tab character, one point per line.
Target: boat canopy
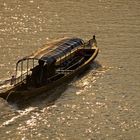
55	50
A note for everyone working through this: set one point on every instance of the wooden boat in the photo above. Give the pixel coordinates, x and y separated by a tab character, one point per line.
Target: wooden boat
58	62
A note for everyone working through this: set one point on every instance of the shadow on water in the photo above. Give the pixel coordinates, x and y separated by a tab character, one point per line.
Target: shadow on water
54	94
94	66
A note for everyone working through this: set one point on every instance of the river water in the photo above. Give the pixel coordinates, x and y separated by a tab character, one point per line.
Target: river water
101	104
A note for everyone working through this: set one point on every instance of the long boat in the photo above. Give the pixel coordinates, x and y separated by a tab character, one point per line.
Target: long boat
49	67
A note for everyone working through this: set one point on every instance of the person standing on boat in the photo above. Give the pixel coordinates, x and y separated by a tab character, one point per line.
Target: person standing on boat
51	68
91	41
37	74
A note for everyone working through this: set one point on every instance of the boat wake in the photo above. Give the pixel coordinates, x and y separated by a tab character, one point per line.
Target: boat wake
21	113
4	84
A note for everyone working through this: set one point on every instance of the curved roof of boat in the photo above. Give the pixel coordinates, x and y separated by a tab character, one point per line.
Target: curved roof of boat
56	49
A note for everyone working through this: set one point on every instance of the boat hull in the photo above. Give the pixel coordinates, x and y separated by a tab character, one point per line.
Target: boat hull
14	94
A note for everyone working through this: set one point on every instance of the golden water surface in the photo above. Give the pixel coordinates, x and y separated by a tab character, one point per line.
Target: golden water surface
101	104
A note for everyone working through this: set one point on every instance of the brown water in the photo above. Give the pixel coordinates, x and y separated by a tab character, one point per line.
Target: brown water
102	104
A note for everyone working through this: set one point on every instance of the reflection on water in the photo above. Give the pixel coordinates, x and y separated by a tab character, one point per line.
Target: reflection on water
102	103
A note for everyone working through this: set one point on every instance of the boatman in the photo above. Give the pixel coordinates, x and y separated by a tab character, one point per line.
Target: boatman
49	69
91	41
37	74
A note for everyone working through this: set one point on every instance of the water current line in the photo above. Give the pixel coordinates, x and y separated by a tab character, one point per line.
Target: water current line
22	113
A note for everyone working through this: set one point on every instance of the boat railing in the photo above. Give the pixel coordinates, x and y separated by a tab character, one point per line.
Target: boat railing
21	78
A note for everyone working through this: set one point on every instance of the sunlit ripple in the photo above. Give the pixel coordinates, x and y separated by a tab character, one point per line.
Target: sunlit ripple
100	105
